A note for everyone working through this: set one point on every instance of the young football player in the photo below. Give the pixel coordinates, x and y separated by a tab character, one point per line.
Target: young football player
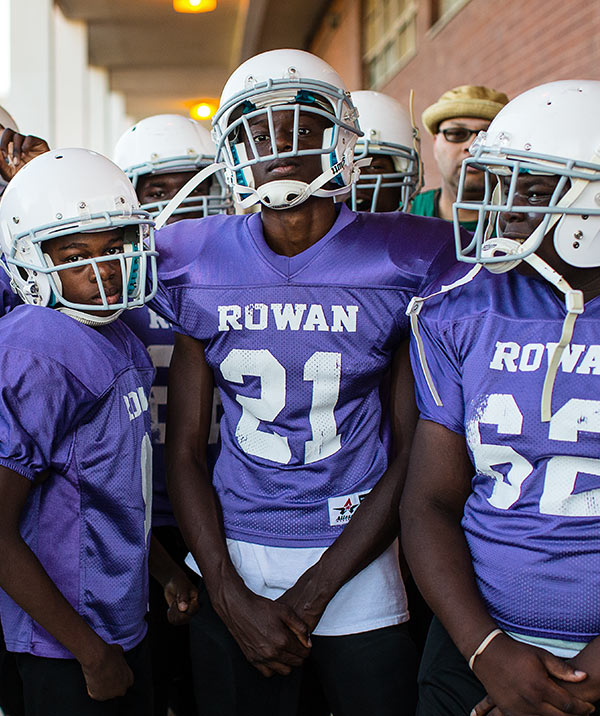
160	154
393	177
75	452
296	313
15	150
501	513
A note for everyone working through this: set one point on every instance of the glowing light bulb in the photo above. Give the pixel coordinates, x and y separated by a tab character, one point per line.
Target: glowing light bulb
205	109
194	5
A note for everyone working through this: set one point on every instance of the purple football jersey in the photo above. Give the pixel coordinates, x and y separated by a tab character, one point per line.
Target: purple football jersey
82	392
532	520
8	298
298	347
156	334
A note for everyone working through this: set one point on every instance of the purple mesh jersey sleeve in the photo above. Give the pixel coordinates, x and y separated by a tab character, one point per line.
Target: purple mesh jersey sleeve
36	429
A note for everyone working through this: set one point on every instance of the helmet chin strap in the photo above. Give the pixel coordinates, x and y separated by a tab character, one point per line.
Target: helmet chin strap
287	193
184	192
574	305
89	319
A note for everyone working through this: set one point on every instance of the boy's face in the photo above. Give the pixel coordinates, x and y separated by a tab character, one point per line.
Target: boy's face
531	191
310	136
79	283
152	188
389	198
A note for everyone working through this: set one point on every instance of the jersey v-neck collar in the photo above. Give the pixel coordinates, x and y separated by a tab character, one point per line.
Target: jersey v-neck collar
288	266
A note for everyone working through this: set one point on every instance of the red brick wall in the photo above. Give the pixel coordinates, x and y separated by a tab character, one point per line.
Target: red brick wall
338	40
510	45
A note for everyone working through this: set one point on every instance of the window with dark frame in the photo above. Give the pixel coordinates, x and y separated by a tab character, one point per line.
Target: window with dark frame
389	38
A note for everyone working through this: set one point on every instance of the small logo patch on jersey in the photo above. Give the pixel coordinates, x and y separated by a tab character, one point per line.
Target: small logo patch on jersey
342	508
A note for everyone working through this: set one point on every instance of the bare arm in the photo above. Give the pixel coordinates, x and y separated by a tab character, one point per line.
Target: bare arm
517	677
24	579
271	635
376	523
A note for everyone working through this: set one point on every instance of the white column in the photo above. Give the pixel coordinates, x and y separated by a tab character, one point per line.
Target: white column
70	66
31	96
98	111
118	119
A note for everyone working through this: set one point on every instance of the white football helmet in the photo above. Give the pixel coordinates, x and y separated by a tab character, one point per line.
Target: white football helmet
387	130
166	143
291	81
552	129
70	191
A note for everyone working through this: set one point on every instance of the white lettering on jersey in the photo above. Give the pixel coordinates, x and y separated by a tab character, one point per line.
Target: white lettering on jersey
157	321
230	316
559	495
288	316
506	355
160	355
590	362
513	357
256	316
531	357
315	319
570	356
136	403
344	318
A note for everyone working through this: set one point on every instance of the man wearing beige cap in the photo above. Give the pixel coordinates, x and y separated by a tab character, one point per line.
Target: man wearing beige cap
454	121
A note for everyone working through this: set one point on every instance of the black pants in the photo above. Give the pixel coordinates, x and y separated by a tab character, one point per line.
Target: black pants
11	688
56	687
171	670
361	674
447	687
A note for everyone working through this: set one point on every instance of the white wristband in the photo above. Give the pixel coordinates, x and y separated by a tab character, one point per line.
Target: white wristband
484	645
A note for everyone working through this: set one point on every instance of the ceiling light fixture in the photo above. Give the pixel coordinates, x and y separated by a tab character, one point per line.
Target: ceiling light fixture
204	109
194	5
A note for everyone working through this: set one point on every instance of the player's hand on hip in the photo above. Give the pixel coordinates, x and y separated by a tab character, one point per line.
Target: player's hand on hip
519	680
17	149
270	634
109	676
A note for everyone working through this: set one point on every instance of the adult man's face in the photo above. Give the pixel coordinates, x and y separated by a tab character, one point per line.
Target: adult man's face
449	154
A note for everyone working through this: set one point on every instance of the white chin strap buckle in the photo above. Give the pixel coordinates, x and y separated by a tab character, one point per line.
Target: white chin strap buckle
283	193
500	246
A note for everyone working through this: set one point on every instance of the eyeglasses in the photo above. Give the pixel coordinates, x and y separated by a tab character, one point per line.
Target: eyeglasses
458	135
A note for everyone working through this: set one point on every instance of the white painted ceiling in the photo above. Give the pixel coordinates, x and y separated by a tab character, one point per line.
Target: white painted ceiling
162	61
